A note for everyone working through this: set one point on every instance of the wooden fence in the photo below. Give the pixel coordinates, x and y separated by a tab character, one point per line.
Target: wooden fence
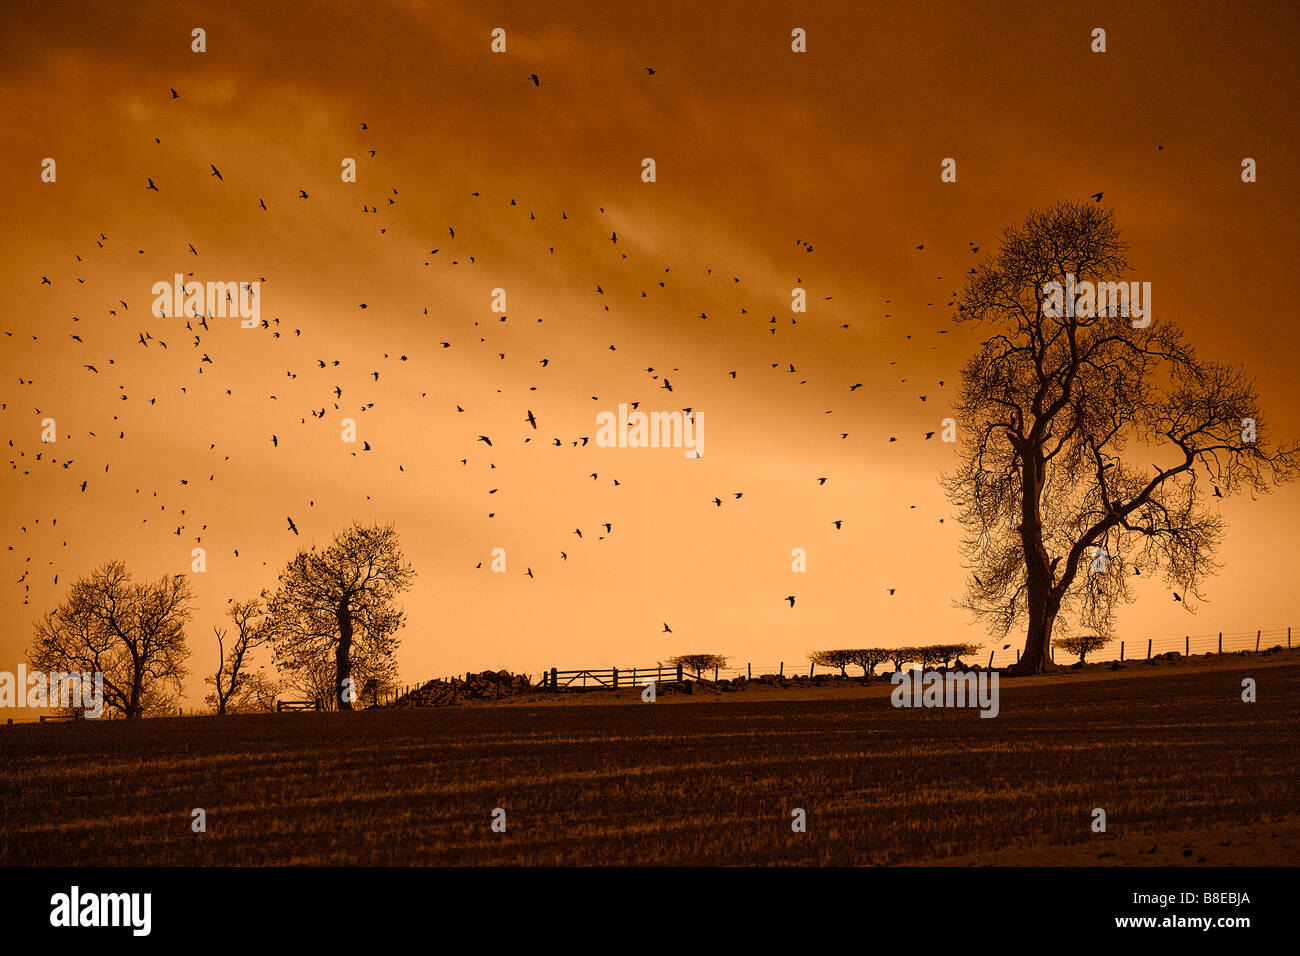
593	679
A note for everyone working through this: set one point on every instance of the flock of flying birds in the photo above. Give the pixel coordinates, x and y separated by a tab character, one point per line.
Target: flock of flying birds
324	371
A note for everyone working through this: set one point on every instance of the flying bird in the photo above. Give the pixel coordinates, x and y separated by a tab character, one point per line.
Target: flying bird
292	527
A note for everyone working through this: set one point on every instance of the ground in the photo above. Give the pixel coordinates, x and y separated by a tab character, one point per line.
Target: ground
1169	750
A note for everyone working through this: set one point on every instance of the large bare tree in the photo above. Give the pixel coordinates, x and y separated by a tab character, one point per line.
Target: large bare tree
134	634
340	603
1093	445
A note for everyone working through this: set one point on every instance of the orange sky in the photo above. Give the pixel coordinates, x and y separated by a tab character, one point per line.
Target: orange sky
756	147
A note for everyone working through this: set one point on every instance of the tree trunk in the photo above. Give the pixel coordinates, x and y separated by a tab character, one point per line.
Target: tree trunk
1037	657
1042	603
137	692
342	657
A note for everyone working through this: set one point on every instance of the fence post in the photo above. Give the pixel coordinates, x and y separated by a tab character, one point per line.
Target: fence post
616	678
1257	633
749	668
679	673
1017	655
812	665
1187	645
990	658
555	679
781	671
1148	648
1220	642
1288	638
1121	650
715	675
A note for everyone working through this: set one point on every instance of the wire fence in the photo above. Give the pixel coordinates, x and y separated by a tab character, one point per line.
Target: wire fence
1218	642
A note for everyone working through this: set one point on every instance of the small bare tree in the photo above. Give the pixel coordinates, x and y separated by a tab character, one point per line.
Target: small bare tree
840	659
902	655
699	662
133	634
234	688
868	658
1081	645
944	654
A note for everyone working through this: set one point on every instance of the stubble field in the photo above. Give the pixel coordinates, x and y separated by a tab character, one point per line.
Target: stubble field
1186	772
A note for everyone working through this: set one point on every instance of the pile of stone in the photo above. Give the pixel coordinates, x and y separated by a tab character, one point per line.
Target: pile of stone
489	685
